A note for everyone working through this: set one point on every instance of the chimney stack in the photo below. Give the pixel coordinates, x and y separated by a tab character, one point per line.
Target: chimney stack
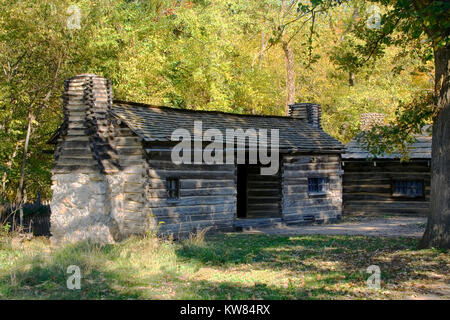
369	120
87	99
309	112
82	207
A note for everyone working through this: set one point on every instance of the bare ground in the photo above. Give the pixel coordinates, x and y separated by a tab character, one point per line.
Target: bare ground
380	227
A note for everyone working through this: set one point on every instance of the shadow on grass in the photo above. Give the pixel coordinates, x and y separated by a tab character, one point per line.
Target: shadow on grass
227	266
335	259
290	252
42	277
107	275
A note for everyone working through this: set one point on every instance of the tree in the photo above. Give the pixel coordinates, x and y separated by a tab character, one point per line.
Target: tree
426	24
437	233
38	51
286	19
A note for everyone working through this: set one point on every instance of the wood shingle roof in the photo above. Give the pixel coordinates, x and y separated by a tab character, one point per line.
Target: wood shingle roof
420	149
153	123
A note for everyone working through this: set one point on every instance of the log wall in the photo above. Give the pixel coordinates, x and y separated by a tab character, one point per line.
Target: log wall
127	184
207	195
368	187
297	204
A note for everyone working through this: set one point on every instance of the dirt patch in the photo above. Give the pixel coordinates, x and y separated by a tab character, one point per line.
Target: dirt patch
382	227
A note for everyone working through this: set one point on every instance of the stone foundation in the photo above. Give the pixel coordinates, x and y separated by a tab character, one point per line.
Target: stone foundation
80	210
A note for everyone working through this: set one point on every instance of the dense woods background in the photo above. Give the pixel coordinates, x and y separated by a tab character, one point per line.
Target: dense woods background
243	56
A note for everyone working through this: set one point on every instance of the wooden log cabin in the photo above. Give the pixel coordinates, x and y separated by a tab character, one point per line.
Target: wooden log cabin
385	185
114	173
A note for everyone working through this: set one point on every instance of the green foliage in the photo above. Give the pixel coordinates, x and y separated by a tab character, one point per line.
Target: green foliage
4	229
398	135
203	55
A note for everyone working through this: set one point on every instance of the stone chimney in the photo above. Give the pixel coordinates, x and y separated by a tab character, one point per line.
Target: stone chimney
80	205
86	101
309	112
369	120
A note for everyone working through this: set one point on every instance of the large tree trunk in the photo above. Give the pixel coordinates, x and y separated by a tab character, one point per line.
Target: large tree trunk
437	233
290	75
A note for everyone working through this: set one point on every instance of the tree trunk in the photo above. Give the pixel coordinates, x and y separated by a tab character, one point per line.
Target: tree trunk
19	196
351	79
437	233
263	48
290	75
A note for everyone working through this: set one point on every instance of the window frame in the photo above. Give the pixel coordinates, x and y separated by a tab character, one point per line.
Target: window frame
319	193
405	196
173	194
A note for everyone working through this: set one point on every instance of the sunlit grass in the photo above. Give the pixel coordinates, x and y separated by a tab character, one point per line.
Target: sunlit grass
225	266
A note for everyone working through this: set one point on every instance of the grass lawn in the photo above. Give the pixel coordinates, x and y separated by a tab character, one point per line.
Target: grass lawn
224	266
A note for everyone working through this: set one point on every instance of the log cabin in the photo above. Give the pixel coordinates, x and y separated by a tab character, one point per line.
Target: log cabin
114	173
383	184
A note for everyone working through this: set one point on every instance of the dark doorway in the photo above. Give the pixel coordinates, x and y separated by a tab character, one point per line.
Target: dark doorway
258	196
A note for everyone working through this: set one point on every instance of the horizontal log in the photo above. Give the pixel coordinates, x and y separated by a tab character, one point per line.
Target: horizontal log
194	209
127	141
383	211
65	159
76	144
162	193
368	176
75	169
169	165
312	166
381	188
193	183
317	211
76	138
187	201
374	197
84	152
182	174
258	222
125	160
310	158
289	174
295	202
131	163
387	167
387	204
129	150
77	132
214	217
